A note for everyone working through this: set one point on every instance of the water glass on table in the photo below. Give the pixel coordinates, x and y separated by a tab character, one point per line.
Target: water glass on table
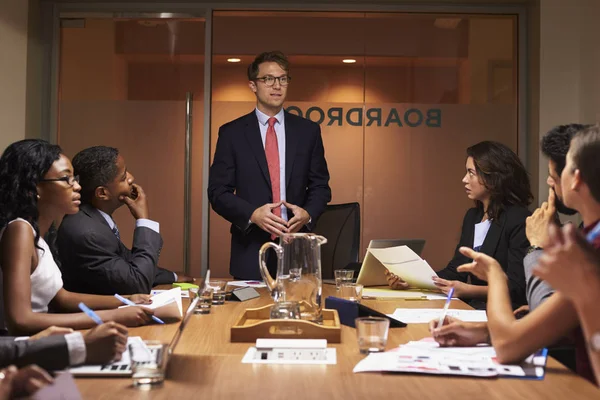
343	276
148	364
351	291
372	334
218	291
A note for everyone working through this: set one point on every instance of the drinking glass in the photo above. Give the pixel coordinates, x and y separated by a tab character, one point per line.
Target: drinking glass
343	276
351	291
148	364
372	334
218	289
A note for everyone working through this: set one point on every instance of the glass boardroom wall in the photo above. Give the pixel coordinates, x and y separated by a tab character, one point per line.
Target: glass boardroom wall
395	122
123	83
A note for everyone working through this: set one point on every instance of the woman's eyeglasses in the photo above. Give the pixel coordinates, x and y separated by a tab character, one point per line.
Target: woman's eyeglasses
69	179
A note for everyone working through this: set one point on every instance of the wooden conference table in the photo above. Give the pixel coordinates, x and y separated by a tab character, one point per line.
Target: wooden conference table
206	365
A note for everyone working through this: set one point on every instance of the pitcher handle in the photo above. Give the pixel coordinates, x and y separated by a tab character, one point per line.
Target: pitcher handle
320	239
262	263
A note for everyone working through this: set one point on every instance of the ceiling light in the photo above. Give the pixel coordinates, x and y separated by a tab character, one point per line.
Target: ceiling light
348	60
233	60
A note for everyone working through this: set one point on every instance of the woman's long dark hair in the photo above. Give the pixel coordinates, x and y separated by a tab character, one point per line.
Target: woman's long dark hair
22	165
503	175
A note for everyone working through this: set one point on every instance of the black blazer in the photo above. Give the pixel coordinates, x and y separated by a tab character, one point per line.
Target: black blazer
505	241
239	182
51	353
94	261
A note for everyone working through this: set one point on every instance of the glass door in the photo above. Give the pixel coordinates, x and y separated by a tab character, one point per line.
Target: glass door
123	82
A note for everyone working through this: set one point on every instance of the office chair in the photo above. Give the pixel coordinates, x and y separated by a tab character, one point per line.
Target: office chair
340	224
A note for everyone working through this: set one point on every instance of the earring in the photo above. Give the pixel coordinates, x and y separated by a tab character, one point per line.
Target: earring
38	196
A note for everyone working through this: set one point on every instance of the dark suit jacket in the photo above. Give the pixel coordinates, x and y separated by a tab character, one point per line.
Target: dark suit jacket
505	241
239	182
50	353
94	261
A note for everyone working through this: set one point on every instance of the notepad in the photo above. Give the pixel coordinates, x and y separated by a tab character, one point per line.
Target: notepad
166	305
424	315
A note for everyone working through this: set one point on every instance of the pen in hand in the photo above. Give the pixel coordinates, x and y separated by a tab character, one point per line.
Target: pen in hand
131	303
446	306
90	313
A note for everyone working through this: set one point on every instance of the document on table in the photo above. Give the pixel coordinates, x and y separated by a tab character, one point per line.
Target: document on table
166	305
185	294
63	387
428	358
253	356
424	315
399	260
252	284
387	293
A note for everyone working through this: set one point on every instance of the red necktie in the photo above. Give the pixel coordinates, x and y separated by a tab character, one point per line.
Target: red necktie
272	153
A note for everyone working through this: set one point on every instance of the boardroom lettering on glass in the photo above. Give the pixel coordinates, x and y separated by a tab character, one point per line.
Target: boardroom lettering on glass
338	116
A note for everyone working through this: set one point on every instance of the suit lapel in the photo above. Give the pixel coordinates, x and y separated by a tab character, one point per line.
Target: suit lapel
291	145
94	214
256	146
493	236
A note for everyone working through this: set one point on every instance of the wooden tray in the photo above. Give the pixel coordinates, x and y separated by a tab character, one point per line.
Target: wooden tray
255	323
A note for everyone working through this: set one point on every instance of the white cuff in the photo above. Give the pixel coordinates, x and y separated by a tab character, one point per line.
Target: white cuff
76	346
175	276
148	223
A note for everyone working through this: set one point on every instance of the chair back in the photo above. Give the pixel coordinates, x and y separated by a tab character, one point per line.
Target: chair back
340	224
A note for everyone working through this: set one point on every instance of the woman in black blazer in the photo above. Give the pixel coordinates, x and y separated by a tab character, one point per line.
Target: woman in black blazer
499	184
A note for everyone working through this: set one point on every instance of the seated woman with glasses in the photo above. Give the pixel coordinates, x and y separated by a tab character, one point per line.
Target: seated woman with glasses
37	187
498	183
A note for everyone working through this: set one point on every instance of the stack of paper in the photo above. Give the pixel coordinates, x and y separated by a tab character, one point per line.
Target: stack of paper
424	315
427	357
166	305
401	261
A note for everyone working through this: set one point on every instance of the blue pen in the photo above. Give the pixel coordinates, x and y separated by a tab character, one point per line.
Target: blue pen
446	306
90	313
131	303
593	234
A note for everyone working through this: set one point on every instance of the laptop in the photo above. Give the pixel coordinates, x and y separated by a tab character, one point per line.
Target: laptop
123	366
415	245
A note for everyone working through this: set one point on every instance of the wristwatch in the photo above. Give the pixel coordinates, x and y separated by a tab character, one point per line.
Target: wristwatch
594	342
531	249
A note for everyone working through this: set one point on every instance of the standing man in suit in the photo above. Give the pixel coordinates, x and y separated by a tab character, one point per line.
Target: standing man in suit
93	258
269	175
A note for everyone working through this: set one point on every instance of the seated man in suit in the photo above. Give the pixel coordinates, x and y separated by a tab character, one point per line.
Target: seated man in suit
59	348
93	258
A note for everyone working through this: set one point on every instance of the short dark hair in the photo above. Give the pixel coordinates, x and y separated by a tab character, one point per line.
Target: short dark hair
268	56
555	144
96	166
503	175
585	148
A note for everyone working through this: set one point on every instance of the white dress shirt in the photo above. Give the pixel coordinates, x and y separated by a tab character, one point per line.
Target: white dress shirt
263	123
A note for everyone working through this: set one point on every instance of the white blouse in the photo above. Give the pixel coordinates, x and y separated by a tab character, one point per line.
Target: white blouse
46	279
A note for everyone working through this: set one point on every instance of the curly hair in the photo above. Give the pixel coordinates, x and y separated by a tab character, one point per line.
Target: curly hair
503	175
22	165
96	166
555	144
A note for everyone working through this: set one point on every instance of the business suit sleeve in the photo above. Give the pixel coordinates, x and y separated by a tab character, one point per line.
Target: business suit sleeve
222	183
115	273
517	249
450	272
318	190
163	277
50	353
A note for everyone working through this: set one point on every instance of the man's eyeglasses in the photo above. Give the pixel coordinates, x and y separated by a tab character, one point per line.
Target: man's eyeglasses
270	80
69	179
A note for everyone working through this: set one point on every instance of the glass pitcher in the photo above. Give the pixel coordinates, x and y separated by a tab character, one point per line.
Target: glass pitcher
298	272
